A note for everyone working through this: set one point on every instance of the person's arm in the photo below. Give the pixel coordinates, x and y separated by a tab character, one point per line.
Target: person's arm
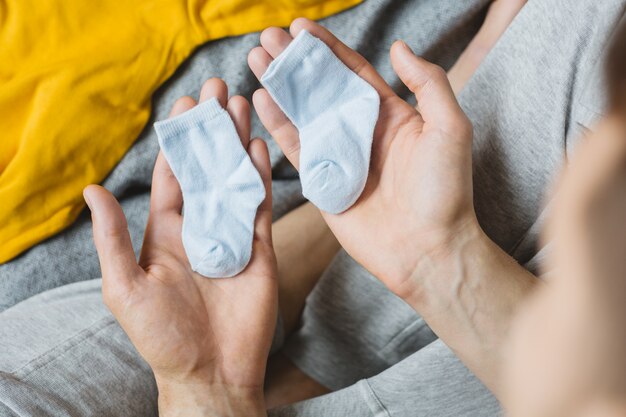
469	292
188	399
414	226
579	368
304	255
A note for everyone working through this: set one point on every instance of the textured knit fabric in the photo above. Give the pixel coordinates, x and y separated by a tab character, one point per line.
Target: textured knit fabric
534	94
335	112
371	27
77	78
64	354
221	188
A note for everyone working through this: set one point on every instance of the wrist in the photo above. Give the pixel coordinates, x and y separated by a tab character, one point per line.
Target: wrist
469	292
426	275
189	398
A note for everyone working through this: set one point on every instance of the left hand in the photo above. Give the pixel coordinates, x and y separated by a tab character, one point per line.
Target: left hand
207	340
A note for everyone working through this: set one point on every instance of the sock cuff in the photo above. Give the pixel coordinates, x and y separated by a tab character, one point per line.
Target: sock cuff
175	126
299	49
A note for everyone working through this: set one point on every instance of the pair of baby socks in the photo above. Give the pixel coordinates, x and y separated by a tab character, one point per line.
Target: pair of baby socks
335	112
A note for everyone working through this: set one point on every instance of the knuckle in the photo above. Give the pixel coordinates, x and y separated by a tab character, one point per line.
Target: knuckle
183	100
360	64
431	78
113	293
117	231
293	149
436	73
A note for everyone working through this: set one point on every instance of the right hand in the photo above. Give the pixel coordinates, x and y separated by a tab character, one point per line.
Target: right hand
418	200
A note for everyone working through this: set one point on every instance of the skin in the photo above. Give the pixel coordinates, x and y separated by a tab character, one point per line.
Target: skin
285	383
425	149
302	258
420	184
578	370
176	318
298	268
207	340
500	15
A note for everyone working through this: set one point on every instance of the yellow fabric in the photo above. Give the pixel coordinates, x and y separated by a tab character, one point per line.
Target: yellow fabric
76	77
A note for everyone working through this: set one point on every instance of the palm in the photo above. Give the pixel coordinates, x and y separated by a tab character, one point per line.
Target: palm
412	195
184	321
419	186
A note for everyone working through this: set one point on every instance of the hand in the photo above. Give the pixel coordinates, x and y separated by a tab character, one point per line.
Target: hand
418	198
284	379
207	340
414	227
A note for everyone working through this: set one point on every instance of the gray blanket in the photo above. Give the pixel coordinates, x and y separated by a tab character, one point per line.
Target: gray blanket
445	27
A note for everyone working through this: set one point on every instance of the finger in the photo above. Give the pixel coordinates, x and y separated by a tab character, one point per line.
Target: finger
258	61
166	196
261	159
165	219
275	40
182	105
436	101
214	87
111	237
278	125
239	110
348	56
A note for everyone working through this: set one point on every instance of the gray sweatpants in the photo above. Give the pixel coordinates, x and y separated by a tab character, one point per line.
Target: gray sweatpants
61	352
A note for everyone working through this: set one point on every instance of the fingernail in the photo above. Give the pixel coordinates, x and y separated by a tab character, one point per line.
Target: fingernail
407	47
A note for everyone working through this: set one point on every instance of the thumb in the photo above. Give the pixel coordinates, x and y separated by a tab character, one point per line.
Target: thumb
110	234
436	101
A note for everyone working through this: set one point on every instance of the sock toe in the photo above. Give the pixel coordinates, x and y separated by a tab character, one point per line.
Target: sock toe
218	262
330	186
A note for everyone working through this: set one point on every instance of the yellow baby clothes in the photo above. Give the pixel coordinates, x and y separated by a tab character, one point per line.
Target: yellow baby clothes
76	78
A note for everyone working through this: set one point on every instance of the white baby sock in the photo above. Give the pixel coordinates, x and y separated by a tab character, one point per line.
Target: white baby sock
221	188
335	112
